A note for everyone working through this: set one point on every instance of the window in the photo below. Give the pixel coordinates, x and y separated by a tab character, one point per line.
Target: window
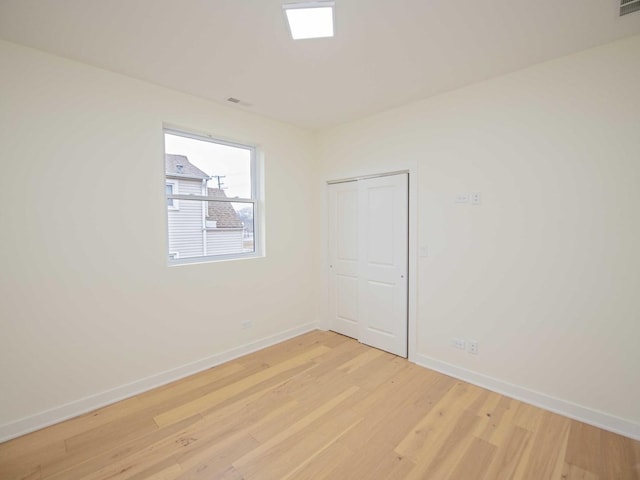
211	196
171	188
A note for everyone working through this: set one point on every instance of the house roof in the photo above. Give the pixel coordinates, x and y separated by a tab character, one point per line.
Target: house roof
179	166
222	212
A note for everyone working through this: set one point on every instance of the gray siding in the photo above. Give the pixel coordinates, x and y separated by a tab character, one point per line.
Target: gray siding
224	241
185	224
186	227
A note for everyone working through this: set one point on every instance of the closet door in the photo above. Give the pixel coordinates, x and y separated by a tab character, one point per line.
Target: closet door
343	254
369	255
383	247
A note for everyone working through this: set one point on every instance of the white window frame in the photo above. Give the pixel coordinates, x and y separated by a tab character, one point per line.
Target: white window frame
258	249
176	191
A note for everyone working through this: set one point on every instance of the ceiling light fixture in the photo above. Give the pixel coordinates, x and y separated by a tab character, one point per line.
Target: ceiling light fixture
310	19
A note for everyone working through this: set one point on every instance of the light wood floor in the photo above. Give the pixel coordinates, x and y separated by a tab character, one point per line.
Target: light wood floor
320	406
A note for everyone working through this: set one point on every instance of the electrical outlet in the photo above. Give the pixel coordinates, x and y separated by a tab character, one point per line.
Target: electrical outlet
458	343
473	347
476	198
247	324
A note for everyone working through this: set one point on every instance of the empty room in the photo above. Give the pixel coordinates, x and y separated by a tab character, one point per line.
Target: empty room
347	239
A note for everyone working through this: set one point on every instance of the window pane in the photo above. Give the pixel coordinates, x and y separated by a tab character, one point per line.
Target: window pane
202	228
169	191
209	165
245	213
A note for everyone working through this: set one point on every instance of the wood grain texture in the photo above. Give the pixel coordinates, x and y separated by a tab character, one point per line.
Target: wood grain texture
320	406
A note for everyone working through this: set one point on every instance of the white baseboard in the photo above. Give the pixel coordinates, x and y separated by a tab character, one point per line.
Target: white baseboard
562	407
78	407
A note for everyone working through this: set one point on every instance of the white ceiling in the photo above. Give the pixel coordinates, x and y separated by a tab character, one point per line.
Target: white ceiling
384	54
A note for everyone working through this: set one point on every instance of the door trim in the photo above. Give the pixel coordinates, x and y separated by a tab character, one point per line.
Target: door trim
365	177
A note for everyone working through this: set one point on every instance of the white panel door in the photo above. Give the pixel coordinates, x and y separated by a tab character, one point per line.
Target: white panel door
343	254
383	247
368	235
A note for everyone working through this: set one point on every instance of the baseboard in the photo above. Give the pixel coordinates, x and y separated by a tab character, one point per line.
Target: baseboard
78	407
562	407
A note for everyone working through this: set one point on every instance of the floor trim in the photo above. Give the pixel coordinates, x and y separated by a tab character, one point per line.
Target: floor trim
78	407
568	409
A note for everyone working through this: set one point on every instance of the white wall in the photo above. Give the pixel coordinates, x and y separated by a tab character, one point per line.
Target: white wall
545	274
87	302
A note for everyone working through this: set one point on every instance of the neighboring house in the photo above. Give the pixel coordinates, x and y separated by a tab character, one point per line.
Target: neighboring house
195	229
224	227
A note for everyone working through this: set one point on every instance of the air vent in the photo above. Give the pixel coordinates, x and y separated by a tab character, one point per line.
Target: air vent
629	6
242	103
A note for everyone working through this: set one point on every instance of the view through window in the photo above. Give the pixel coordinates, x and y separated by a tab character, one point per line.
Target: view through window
211	202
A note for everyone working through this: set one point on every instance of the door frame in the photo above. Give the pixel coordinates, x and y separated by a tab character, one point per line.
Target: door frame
412	277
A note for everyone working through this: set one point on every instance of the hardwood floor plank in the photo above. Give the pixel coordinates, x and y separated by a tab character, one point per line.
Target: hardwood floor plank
294	451
510	452
229	474
18	464
111	434
437	456
169	472
218	396
585	447
216	460
148	458
527	416
437	424
378	371
243	464
475	461
228	445
361	360
320	406
548	447
80	463
317	452
283	351
322	465
572	472
394	416
307	405
194	383
493	418
620	455
376	460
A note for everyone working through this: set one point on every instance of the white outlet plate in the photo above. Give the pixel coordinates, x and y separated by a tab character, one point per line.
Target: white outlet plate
473	347
476	198
458	343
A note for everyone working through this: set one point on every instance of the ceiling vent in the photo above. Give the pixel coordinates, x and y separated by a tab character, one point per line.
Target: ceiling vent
629	6
242	103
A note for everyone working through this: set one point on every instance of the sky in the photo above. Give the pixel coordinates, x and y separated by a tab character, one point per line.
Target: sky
216	159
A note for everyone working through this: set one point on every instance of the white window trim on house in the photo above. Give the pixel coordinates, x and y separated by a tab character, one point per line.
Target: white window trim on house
175	202
256	200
